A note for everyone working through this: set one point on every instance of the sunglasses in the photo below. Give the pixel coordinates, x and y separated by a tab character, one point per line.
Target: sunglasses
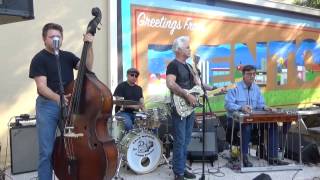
250	74
134	75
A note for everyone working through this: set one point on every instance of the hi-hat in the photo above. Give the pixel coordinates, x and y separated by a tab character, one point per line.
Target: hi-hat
122	102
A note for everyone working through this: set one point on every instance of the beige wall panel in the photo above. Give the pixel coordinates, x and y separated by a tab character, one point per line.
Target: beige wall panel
19	42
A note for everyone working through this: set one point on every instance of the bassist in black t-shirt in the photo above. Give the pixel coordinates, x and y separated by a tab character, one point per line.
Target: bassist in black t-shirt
44	71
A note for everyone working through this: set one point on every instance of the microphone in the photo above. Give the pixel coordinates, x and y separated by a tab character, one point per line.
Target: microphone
196	58
56	44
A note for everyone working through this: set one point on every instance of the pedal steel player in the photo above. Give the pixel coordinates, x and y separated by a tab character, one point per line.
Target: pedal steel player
247	97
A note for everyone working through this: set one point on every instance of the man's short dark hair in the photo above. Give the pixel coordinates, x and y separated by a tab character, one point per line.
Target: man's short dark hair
248	68
49	26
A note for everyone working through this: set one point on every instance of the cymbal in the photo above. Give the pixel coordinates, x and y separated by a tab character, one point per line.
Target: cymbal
122	102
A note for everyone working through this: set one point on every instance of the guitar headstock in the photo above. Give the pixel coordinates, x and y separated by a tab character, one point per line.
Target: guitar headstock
93	24
221	90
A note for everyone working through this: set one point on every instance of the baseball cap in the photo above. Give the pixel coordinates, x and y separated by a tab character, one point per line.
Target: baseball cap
133	70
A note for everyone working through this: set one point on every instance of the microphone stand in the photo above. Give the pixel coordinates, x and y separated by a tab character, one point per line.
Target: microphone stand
205	100
63	107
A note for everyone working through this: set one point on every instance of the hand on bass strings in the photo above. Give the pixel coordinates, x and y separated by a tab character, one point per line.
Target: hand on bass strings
66	99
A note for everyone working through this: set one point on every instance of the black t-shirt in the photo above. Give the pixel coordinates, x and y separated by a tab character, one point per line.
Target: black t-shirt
44	64
133	93
184	78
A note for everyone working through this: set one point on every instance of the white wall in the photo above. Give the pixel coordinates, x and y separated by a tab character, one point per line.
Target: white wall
19	42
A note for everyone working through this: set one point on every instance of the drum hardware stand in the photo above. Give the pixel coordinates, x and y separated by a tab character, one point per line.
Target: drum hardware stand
166	144
167	139
166	161
117	175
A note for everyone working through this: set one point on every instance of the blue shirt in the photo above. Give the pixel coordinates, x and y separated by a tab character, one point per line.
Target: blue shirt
241	96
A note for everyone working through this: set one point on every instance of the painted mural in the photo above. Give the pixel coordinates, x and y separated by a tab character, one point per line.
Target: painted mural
287	56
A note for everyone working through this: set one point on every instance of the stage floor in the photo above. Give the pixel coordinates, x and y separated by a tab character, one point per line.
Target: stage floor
219	170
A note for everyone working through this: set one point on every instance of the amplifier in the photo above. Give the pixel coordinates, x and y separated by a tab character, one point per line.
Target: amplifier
309	149
24	149
14	11
196	144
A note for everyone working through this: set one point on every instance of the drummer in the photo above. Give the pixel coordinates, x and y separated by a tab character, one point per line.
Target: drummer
129	90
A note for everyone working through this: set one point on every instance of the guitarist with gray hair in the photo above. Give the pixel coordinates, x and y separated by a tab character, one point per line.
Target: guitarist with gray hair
183	83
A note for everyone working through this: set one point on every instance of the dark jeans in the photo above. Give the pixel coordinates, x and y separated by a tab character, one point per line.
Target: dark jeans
128	119
182	130
48	114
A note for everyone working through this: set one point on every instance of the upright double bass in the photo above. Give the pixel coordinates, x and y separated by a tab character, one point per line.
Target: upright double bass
85	150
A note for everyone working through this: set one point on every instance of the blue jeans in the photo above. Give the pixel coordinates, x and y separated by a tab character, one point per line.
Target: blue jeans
47	115
273	140
128	119
182	130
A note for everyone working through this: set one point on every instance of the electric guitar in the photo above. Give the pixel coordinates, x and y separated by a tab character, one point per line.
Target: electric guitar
182	106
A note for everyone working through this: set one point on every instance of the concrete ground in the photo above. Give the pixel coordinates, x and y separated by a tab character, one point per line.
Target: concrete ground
219	170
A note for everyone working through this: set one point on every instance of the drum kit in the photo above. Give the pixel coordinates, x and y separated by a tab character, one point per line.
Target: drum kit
140	148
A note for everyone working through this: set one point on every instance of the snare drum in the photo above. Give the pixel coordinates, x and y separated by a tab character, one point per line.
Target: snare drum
142	150
116	128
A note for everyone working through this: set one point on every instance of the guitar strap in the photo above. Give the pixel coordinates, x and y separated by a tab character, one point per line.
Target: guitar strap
191	71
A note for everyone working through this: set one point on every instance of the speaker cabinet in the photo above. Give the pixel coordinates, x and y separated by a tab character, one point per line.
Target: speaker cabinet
309	149
15	10
24	149
196	144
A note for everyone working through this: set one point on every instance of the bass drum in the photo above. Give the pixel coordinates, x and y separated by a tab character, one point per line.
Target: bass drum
142	150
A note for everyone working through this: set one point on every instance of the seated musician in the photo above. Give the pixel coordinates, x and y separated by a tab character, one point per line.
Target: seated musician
246	97
129	90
